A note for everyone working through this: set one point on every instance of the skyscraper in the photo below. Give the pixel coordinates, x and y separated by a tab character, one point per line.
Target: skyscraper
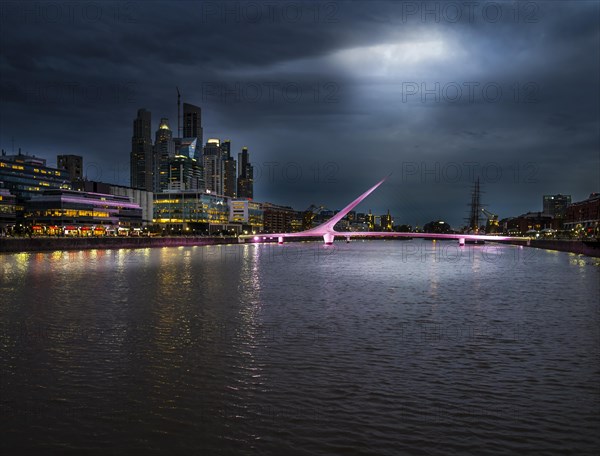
183	173
229	170
141	158
188	150
245	183
212	160
164	151
192	123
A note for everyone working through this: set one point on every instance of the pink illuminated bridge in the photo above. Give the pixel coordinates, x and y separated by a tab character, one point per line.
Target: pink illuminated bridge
326	231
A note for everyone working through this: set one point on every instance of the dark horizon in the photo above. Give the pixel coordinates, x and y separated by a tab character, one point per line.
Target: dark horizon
327	97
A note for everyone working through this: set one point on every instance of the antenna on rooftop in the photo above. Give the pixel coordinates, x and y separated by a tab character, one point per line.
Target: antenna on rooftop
178	113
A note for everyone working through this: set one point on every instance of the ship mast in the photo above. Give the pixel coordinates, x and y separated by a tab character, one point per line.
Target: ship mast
475	208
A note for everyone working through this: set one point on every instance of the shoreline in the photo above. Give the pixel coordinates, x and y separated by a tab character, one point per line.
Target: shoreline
21	245
587	248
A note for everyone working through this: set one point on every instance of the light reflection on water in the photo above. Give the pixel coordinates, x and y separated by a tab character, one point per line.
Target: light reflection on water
368	347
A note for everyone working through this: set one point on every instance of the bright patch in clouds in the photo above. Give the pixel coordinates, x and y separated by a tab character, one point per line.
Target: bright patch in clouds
390	58
381	60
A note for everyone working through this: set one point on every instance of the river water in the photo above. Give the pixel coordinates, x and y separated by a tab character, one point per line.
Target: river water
371	347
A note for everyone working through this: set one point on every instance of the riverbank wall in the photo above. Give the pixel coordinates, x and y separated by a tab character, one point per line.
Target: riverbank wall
42	244
588	248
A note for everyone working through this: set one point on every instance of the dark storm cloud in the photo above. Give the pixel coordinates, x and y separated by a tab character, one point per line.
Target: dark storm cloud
328	96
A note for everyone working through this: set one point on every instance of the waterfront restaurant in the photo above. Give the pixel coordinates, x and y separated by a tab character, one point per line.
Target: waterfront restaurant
193	212
82	214
530	222
583	217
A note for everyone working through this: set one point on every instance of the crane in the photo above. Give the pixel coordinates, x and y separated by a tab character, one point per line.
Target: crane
309	215
492	221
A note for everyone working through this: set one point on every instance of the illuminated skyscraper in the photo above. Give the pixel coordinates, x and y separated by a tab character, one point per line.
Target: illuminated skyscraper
142	154
185	172
212	161
164	151
192	123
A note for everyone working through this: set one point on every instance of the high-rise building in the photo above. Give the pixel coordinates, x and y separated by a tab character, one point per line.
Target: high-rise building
142	154
73	164
192	123
229	170
185	172
212	161
229	179
226	148
182	173
556	205
212	147
245	183
191	149
164	151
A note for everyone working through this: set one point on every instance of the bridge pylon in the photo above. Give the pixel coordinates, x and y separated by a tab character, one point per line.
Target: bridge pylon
328	238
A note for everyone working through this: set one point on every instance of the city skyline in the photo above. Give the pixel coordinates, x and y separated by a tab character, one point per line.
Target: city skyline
434	99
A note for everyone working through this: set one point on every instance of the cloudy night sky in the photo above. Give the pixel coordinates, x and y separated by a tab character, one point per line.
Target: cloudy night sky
329	97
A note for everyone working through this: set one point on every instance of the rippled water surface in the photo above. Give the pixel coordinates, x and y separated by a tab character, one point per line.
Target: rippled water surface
396	347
